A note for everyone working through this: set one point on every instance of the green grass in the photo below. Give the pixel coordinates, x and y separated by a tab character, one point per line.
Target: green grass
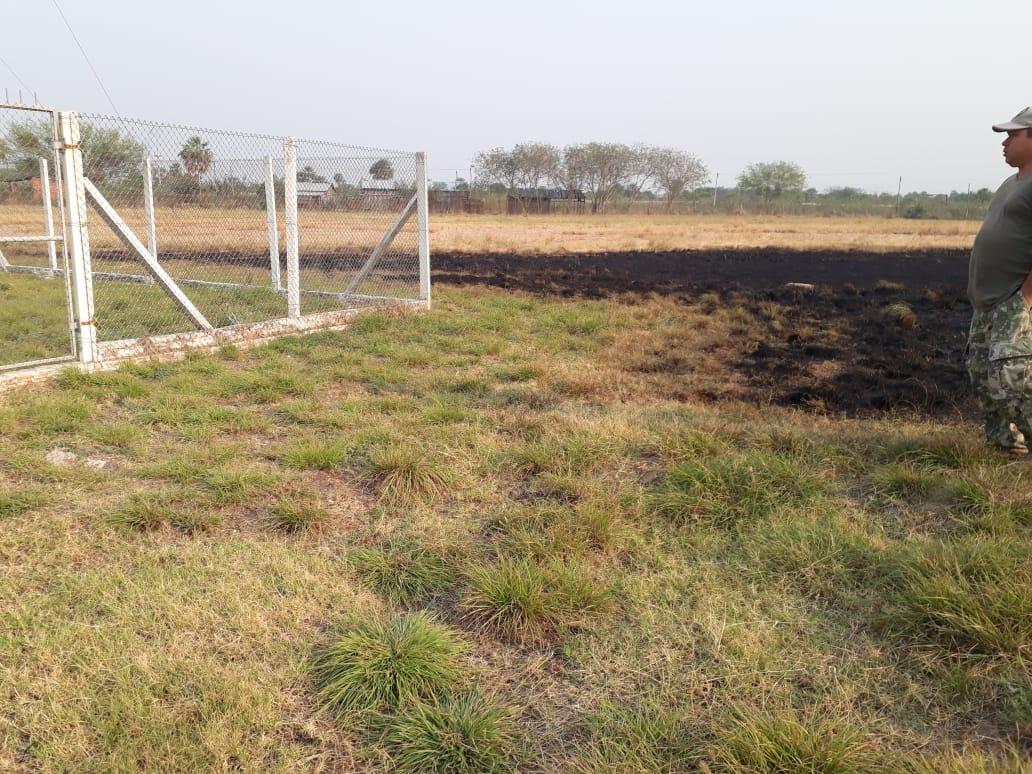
405	573
322	554
462	735
381	665
778	741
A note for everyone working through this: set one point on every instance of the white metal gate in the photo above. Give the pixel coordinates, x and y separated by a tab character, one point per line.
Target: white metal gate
36	325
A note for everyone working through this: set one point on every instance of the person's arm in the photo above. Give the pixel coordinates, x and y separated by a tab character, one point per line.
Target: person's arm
1026	290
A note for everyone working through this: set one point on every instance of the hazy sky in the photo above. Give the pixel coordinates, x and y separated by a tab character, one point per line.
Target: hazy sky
856	93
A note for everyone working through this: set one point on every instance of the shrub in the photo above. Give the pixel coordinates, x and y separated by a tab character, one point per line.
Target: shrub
378	666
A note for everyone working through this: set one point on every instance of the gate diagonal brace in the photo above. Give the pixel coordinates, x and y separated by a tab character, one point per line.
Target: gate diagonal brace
381	248
130	240
4	265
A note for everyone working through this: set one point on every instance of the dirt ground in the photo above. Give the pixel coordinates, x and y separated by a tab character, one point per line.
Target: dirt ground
877	333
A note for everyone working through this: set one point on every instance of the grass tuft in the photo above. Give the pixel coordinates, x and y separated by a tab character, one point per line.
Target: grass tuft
467	734
726	490
316	454
14	502
969	596
404	573
407	473
778	741
378	666
523	601
297	513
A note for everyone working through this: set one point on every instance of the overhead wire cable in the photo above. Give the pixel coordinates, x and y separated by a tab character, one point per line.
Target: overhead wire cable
16	76
84	56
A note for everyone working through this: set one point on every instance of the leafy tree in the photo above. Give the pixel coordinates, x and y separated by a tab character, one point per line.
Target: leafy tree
381	170
309	175
600	168
773	180
109	157
676	171
496	167
196	156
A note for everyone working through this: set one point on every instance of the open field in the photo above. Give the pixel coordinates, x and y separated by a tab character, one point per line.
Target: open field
697	525
192	229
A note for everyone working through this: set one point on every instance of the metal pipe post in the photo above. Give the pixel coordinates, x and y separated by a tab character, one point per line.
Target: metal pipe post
148	206
423	226
270	216
48	213
77	236
290	224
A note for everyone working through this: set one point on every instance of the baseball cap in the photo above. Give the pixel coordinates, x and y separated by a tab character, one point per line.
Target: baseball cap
1022	120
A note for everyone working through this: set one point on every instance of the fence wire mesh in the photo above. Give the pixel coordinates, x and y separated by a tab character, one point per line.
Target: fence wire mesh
210	206
34	292
349	202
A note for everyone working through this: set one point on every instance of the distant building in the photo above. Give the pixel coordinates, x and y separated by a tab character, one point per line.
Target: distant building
542	201
314	194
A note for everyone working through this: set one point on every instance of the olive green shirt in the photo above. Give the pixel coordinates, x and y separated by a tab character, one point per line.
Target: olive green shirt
1002	256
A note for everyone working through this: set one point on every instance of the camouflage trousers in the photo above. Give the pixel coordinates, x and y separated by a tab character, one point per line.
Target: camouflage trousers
999	362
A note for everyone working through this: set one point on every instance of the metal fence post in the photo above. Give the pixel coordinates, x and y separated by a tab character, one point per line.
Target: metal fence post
290	227
148	206
270	217
48	214
77	236
423	226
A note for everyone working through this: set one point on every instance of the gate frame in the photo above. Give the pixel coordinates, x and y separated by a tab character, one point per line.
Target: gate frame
49	237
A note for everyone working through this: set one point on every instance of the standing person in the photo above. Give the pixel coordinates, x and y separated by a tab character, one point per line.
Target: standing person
999	356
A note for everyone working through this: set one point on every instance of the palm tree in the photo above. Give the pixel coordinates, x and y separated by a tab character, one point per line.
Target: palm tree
196	156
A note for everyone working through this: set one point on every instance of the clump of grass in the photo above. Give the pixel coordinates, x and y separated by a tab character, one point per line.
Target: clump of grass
778	741
406	473
467	734
949	453
316	454
297	513
148	511
968	596
144	512
403	572
229	485
649	738
444	413
523	601
824	557
57	413
379	666
728	489
17	501
575	452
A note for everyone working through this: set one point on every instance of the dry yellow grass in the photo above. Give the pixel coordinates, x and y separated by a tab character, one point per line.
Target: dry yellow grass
232	230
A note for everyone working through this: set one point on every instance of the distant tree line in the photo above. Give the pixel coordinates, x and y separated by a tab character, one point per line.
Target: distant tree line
599	170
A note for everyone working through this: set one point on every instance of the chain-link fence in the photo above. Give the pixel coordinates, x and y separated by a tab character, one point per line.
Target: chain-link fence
205	230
